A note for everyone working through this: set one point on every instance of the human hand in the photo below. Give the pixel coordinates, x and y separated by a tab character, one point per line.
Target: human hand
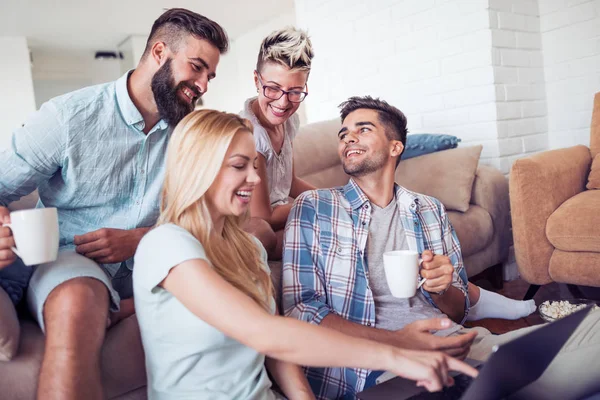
7	256
418	336
429	369
438	271
109	245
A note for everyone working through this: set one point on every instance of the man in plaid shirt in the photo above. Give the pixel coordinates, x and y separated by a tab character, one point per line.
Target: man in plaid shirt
334	243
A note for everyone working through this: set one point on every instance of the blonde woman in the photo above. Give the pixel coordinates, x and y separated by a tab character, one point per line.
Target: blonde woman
281	76
204	295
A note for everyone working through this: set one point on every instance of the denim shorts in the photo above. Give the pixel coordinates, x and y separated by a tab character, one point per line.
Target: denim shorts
70	265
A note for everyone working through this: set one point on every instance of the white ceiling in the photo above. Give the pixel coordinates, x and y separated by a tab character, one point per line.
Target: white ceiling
75	25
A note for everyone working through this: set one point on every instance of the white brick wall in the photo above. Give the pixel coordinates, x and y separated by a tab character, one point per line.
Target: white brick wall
517	76
570	32
430	58
520	88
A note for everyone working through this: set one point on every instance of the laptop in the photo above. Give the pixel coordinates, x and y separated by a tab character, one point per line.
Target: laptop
511	367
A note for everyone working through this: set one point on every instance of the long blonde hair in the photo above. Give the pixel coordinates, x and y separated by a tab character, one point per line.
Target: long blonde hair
195	155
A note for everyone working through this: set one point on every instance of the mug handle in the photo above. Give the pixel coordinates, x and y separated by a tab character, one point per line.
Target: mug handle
422	280
14	249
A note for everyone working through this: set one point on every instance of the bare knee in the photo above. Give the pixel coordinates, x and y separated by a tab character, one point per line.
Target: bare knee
261	229
76	301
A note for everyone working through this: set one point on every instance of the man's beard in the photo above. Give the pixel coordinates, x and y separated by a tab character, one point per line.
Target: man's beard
367	166
170	106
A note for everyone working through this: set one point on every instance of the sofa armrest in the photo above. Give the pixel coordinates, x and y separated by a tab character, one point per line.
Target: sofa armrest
490	191
538	186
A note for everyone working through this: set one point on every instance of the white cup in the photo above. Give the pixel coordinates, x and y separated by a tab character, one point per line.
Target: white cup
402	272
36	235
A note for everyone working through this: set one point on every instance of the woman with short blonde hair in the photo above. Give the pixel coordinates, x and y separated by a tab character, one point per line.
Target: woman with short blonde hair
204	298
281	75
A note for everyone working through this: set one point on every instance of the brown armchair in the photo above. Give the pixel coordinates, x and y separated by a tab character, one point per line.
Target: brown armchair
556	221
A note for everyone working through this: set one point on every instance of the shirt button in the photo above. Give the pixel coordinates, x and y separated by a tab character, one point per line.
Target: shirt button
137	203
339	249
143	171
368	324
364	223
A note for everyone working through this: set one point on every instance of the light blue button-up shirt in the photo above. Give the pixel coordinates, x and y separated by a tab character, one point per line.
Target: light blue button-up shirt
88	156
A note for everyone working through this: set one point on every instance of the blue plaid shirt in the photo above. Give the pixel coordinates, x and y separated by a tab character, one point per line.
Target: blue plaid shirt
88	156
325	270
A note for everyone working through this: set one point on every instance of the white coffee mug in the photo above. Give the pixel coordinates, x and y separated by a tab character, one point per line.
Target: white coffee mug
36	235
402	272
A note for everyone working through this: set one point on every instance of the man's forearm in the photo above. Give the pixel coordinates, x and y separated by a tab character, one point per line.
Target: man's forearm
451	303
340	324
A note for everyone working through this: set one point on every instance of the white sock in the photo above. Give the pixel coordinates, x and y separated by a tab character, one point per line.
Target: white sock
494	305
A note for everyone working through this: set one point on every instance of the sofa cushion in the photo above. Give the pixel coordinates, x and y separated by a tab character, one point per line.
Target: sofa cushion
474	229
446	175
574	225
594	178
9	328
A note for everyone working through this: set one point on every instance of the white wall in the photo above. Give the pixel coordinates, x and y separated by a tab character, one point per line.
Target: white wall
570	33
519	78
55	74
430	58
234	82
132	50
16	96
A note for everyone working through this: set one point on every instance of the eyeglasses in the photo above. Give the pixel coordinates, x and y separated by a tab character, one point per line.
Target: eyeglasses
275	93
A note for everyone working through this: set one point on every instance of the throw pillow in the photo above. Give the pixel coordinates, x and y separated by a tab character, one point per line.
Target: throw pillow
446	175
419	144
594	178
9	328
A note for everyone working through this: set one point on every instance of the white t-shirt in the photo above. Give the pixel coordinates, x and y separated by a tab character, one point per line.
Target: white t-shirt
186	358
279	166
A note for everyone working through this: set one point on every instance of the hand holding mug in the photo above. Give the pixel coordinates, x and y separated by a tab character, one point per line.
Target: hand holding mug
438	270
30	234
7	242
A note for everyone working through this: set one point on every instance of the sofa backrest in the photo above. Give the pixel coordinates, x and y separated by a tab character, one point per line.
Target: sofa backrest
315	154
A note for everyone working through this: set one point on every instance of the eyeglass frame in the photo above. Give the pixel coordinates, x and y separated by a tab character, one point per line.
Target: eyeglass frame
283	92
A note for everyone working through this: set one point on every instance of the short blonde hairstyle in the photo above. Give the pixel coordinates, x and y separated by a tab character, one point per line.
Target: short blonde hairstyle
194	158
289	47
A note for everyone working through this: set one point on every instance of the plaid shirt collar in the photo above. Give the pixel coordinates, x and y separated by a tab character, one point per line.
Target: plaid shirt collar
357	198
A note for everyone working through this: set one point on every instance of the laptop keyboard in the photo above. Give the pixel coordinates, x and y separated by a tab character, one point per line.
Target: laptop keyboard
461	383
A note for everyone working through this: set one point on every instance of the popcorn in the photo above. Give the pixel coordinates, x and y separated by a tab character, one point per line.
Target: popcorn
560	309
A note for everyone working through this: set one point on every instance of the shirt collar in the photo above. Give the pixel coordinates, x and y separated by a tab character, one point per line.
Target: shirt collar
358	198
129	111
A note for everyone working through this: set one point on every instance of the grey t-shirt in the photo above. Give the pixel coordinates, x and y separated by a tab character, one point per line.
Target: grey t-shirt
386	234
186	358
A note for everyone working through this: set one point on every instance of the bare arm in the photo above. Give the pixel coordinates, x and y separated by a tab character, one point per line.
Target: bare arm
440	274
260	203
290	378
290	340
416	336
451	303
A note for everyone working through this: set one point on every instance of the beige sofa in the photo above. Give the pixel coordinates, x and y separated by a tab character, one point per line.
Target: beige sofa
483	230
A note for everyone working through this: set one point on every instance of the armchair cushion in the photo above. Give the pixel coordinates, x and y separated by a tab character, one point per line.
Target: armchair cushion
574	225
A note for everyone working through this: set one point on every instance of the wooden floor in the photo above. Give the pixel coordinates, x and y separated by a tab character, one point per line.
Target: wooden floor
516	290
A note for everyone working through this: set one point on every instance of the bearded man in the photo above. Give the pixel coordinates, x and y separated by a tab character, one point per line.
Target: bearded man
97	155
